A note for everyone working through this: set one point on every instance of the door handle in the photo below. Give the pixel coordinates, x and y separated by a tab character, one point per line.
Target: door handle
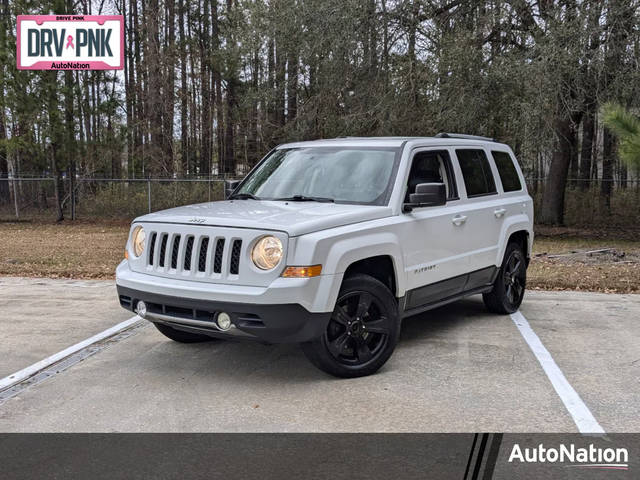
499	212
459	219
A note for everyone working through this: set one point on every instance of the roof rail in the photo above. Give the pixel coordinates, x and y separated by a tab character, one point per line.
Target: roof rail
467	137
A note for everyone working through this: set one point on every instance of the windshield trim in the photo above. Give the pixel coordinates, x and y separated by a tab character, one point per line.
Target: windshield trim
385	198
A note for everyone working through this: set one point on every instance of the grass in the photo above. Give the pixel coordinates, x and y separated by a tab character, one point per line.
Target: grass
92	250
599	273
65	250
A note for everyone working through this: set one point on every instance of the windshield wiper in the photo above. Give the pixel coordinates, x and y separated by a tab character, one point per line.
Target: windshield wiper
303	198
243	196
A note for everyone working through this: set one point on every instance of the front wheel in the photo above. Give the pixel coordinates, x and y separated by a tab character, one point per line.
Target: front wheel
362	333
508	288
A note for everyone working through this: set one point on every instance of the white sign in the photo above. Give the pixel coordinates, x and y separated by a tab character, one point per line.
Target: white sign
70	42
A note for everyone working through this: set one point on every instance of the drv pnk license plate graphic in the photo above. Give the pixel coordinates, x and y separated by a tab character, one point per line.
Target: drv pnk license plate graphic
70	42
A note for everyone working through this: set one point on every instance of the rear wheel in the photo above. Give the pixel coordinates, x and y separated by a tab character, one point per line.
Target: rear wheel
180	335
362	333
509	286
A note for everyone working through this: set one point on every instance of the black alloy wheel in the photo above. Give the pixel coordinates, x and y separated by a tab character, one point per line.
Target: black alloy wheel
514	277
510	283
362	332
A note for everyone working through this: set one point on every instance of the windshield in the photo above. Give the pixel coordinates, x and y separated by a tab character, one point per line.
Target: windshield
343	175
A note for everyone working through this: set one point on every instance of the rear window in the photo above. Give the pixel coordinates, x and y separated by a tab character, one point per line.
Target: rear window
507	171
476	172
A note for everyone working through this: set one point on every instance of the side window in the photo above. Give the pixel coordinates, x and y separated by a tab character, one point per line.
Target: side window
432	166
476	172
507	170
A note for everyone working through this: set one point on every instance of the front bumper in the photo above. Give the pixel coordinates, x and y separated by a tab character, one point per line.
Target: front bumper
288	311
317	294
284	323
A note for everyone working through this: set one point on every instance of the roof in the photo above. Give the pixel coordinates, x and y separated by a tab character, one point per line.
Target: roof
387	141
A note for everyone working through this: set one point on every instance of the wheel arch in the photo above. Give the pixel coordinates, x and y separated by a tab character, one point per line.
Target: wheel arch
521	237
361	251
380	267
518	229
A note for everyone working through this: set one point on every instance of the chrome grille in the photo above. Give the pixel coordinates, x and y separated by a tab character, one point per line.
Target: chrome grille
198	255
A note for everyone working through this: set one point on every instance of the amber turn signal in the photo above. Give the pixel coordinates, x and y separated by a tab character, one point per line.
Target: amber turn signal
302	272
126	254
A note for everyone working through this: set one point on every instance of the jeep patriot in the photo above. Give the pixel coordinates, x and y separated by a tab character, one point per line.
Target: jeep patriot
331	243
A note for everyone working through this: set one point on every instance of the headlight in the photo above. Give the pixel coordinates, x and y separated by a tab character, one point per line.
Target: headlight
137	241
267	253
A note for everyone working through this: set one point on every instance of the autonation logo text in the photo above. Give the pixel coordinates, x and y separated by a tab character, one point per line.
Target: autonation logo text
587	457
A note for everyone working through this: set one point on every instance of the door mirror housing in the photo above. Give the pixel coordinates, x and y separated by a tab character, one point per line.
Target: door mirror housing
230	186
426	195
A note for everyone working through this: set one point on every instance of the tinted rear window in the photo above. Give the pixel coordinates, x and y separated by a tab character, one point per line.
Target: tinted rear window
507	171
476	172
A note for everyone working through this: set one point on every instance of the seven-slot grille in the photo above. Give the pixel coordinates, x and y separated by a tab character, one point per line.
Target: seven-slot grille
194	253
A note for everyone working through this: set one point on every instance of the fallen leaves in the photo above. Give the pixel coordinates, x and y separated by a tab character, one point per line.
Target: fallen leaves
93	250
66	250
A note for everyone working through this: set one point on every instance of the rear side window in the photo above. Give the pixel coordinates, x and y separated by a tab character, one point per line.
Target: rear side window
476	172
507	171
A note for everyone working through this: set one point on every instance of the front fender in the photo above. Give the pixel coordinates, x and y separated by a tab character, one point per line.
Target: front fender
336	252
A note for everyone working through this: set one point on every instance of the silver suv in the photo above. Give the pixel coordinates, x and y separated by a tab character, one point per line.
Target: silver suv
331	243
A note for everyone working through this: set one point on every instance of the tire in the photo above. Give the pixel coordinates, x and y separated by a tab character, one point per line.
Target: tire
509	286
182	336
362	333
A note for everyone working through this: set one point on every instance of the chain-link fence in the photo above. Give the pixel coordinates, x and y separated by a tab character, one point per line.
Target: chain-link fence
33	198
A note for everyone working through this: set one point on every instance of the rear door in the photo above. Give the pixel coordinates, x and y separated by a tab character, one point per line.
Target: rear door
484	213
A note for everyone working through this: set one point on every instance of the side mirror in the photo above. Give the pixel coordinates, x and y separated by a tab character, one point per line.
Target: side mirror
230	186
426	195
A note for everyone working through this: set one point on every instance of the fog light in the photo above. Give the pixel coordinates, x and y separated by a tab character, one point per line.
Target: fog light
223	321
141	308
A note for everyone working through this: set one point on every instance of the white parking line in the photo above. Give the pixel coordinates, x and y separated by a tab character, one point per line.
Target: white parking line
581	414
31	370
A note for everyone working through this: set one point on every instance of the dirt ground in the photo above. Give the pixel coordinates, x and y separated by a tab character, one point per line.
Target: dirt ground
563	259
64	250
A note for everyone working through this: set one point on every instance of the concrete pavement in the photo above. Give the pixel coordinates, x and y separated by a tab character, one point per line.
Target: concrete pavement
41	316
457	368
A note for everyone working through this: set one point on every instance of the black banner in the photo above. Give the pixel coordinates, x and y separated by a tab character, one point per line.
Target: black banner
311	456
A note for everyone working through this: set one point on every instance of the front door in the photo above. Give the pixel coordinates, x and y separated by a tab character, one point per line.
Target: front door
436	240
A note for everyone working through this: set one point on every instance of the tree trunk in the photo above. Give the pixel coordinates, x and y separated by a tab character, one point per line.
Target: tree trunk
169	87
154	100
4	168
205	90
292	87
553	198
412	25
128	90
69	148
229	136
55	131
586	150
184	95
280	59
217	85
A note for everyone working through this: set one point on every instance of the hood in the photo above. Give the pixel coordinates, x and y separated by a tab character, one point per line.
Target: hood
295	218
